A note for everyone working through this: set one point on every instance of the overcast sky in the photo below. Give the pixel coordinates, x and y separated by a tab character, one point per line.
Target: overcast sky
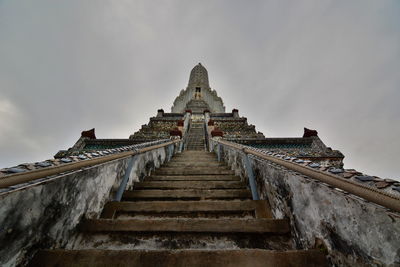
333	66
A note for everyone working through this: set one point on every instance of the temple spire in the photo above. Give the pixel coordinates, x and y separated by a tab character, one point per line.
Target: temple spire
198	77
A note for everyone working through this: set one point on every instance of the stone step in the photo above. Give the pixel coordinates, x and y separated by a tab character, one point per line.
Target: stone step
184	164
198	168
275	226
203	153
193	171
259	208
189	185
188	194
180	240
194	160
192	178
186	215
193	154
180	258
195	145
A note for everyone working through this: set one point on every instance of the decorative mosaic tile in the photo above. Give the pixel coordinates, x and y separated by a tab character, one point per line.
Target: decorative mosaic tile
397	188
66	160
314	165
16	170
377	179
390	181
336	171
348	175
56	162
364	178
43	164
28	166
381	185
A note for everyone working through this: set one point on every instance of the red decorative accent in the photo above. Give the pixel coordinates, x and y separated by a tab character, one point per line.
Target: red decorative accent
176	132
206	110
180	123
89	133
210	123
235	110
217	132
189	110
309	133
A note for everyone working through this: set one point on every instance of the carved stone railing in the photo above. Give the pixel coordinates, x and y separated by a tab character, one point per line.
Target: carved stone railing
366	192
186	127
99	157
358	223
42	208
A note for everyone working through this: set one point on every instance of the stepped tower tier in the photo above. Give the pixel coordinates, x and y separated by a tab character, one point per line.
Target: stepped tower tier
198	89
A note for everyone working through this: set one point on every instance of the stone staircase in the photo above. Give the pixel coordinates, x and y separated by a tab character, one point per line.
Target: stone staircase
197	106
195	139
193	211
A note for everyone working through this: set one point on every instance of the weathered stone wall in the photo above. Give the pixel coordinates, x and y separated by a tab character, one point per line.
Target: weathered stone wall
355	232
46	215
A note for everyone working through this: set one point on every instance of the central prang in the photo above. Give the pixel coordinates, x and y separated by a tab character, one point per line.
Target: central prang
198	89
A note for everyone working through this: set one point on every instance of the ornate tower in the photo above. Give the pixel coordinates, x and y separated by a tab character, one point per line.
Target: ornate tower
198	80
198	94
